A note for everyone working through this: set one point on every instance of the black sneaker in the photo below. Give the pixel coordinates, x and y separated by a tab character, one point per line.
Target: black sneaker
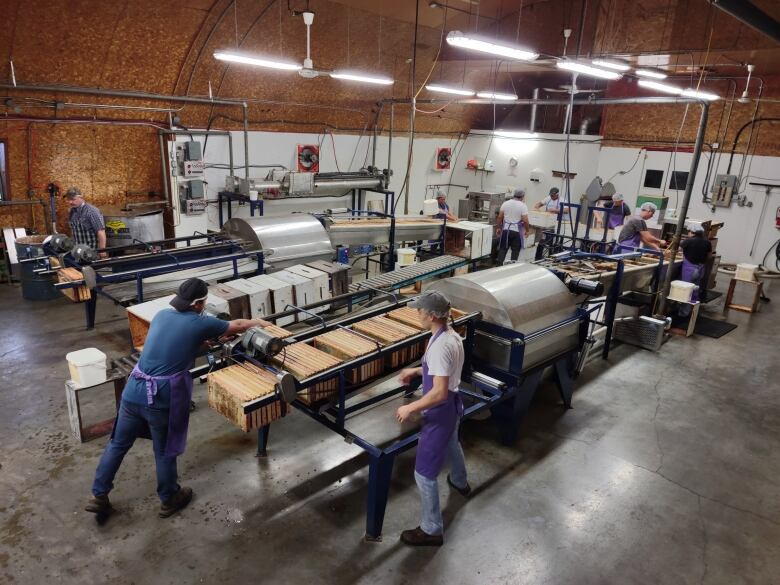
178	501
418	537
465	491
99	505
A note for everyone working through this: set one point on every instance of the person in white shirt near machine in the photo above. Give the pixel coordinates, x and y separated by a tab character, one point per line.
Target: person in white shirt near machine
551	203
512	225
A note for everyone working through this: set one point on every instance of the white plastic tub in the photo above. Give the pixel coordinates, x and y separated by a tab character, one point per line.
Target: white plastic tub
682	291
406	256
87	366
746	272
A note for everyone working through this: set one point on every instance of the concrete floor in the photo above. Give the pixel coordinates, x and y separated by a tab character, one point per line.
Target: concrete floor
665	471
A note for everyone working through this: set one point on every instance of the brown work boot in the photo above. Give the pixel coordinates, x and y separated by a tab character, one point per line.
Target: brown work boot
99	505
418	537
177	501
463	491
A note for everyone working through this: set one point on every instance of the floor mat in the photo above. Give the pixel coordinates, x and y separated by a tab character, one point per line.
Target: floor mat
713	327
710	296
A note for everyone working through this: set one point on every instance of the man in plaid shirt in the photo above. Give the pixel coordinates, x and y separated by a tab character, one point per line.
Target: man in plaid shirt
86	221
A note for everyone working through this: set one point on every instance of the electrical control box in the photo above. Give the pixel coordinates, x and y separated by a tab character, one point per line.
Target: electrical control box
724	187
189	159
193	206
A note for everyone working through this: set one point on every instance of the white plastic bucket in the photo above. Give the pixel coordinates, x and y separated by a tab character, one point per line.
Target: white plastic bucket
430	207
406	256
87	366
682	291
746	272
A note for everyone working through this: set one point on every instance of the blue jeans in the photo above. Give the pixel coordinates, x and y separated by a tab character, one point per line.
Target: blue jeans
131	423
431	522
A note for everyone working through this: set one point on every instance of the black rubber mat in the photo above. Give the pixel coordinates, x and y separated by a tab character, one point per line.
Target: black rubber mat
710	296
712	327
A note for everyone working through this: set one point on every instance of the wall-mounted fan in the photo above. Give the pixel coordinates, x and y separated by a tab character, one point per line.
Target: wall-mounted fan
443	159
308	158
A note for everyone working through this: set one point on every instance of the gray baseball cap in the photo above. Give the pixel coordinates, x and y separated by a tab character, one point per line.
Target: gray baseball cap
554	191
73	193
519	193
433	303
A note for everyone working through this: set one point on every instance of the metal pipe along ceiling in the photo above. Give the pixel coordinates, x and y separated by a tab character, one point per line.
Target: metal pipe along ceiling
750	15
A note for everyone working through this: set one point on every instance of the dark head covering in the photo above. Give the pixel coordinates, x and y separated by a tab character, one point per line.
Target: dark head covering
190	291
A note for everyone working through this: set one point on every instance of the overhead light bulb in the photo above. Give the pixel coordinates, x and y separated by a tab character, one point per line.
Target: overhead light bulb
650	73
612	64
664	87
587	70
515	134
453	90
458	39
488	95
703	95
356	76
257	62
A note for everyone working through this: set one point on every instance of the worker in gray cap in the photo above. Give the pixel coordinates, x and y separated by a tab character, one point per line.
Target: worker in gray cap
635	233
156	398
511	226
441	409
86	221
444	208
551	203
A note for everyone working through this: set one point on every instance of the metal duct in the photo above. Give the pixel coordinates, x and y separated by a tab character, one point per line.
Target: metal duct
750	15
532	123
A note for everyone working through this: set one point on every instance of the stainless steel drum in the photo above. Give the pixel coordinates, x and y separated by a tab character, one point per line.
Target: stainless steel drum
522	297
292	239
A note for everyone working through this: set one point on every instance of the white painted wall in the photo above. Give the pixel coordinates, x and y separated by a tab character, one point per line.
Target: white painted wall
741	223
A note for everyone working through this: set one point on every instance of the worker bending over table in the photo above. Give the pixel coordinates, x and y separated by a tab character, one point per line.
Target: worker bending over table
551	203
635	233
441	409
156	397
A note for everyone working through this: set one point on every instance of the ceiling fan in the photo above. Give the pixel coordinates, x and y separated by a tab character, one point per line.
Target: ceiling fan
306	70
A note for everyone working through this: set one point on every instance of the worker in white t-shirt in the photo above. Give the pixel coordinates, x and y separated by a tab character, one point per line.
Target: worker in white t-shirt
551	203
441	408
511	226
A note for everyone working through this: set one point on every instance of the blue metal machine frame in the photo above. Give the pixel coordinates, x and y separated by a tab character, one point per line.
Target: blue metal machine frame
506	393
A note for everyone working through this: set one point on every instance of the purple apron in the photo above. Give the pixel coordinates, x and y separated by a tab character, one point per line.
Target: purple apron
438	425
629	244
504	241
692	273
615	219
179	410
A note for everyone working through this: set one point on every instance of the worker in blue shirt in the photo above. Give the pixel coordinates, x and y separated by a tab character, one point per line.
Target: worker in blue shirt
156	397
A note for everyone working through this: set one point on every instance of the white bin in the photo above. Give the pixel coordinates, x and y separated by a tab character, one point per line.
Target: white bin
406	256
682	291
87	366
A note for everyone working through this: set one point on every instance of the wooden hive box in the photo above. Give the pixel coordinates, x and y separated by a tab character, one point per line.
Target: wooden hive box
409	316
302	360
139	318
347	345
387	332
238	301
77	294
232	387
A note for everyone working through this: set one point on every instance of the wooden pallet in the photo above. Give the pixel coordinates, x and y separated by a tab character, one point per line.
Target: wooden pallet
231	388
346	345
387	332
302	360
78	294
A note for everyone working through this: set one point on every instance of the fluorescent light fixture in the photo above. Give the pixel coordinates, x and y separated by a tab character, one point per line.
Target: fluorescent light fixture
587	70
355	76
515	134
664	87
704	95
489	95
612	64
246	60
458	39
445	89
653	73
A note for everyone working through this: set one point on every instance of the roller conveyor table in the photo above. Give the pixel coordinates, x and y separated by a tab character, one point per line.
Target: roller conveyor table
409	274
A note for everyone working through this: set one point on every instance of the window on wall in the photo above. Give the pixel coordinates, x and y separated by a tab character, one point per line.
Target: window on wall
4	186
653	179
677	180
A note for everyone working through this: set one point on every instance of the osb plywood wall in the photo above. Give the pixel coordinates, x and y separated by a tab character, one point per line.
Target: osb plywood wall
166	47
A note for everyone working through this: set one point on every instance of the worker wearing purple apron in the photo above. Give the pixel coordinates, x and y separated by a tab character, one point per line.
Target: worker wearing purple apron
551	203
511	226
696	250
619	211
441	409
156	397
635	233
